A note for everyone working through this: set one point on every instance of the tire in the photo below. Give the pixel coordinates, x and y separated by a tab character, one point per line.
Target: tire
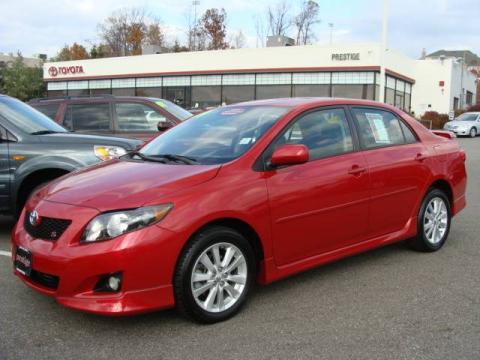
213	277
435	210
473	132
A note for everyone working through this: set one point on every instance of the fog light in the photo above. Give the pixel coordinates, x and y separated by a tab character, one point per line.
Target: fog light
114	282
109	283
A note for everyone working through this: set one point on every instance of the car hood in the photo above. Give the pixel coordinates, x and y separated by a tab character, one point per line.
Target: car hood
461	123
122	184
77	138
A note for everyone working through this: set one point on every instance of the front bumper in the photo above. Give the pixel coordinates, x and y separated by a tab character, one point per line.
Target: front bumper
459	131
146	259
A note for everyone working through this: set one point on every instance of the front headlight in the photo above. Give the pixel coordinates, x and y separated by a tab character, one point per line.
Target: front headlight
110	225
104	152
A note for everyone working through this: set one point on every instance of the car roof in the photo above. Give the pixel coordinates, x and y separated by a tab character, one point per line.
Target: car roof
88	97
314	101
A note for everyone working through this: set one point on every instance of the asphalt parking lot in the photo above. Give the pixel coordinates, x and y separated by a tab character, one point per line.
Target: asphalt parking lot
391	303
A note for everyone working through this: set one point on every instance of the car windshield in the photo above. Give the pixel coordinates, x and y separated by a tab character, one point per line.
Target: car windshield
467	117
216	136
175	110
27	118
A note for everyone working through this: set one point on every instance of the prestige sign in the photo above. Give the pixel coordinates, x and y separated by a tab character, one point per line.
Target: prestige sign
53	71
346	56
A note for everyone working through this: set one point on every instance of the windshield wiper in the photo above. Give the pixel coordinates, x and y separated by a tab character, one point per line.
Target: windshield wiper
145	157
44	132
174	157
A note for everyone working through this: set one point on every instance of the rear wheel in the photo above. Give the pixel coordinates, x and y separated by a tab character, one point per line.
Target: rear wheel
433	222
214	275
473	132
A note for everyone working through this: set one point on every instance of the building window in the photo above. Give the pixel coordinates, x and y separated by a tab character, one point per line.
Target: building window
273	79
272	92
469	98
155	92
455	103
57	93
77	88
311	90
94	92
176	81
124	92
311	78
238	79
78	92
348	91
60	85
353	78
234	94
100	84
149	82
123	83
205	96
206	80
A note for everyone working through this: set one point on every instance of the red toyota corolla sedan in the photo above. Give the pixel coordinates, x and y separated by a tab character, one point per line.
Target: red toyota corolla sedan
246	193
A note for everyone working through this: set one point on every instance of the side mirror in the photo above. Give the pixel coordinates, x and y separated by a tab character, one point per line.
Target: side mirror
289	155
163	125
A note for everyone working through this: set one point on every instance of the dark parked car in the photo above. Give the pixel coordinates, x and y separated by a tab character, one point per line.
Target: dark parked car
128	116
34	150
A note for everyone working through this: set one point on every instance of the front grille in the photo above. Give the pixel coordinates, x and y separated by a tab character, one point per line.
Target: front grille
46	280
47	229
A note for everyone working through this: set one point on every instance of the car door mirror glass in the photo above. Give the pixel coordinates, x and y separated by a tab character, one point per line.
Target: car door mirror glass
289	155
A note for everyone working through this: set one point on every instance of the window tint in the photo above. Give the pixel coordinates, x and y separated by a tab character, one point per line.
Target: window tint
137	117
49	110
324	132
410	138
88	117
378	128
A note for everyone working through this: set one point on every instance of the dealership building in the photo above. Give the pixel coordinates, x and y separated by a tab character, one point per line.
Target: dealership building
211	78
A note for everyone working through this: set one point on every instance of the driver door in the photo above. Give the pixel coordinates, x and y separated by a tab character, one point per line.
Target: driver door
4	171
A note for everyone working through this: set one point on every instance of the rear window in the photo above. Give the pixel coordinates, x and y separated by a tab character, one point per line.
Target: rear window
88	117
50	110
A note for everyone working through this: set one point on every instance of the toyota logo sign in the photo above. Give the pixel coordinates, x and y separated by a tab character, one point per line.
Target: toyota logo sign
53	71
34	218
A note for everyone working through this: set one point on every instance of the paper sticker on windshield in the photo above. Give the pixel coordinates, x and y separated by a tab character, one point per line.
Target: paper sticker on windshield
245	141
161	104
379	130
233	111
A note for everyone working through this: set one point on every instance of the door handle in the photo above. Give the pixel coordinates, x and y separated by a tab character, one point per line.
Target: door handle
420	157
356	170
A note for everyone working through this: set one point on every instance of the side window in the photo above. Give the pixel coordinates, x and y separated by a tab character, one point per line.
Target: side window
90	117
137	117
324	132
3	134
378	128
410	138
50	110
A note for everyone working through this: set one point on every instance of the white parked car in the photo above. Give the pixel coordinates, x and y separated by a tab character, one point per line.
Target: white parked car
467	124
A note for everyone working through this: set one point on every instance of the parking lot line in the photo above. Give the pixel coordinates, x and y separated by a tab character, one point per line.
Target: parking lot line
5	253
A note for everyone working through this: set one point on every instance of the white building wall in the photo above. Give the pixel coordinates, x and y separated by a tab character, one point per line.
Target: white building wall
428	95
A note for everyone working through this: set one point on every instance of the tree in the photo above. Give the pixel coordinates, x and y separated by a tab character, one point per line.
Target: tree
213	26
305	20
123	31
279	20
238	40
154	34
74	52
261	30
22	82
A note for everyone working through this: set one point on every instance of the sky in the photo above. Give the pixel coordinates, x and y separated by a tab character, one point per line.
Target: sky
35	26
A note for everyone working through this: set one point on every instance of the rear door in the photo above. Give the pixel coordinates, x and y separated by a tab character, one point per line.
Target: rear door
89	118
4	170
397	166
322	205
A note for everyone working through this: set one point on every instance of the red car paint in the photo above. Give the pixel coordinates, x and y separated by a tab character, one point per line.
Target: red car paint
304	215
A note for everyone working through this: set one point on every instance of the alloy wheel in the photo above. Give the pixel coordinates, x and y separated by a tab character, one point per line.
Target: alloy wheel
218	277
435	220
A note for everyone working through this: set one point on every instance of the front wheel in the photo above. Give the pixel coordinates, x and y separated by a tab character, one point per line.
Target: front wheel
214	275
433	222
473	132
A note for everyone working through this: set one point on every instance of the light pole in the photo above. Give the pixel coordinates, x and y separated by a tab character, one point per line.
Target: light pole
330	25
383	49
195	3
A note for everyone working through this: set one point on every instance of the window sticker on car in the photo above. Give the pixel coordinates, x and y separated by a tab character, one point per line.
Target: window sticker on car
233	111
378	128
245	141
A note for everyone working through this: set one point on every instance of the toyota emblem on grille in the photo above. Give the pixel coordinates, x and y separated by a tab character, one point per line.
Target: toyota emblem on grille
34	218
